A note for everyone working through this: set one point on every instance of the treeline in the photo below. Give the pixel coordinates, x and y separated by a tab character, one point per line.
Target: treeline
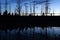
5	13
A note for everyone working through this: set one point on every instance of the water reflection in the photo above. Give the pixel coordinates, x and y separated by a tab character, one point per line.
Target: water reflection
29	33
35	30
32	31
36	33
53	31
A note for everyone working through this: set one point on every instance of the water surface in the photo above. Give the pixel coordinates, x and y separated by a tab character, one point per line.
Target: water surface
36	33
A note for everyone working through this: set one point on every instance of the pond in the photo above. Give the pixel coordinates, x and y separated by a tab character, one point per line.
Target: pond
36	33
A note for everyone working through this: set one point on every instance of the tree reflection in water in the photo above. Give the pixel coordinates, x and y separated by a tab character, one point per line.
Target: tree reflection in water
28	34
36	33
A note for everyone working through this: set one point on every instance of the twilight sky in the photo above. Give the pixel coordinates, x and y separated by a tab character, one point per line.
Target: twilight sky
54	5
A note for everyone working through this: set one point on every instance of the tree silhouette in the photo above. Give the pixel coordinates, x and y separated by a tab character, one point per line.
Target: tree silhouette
5	13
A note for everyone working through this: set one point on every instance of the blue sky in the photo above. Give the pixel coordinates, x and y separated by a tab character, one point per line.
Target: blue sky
54	5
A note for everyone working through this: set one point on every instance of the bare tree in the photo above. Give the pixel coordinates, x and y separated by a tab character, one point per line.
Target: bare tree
41	9
46	9
6	4
26	10
18	7
0	6
10	7
34	7
30	9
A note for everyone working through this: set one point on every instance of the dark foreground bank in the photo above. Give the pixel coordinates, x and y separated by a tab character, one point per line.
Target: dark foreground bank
15	22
